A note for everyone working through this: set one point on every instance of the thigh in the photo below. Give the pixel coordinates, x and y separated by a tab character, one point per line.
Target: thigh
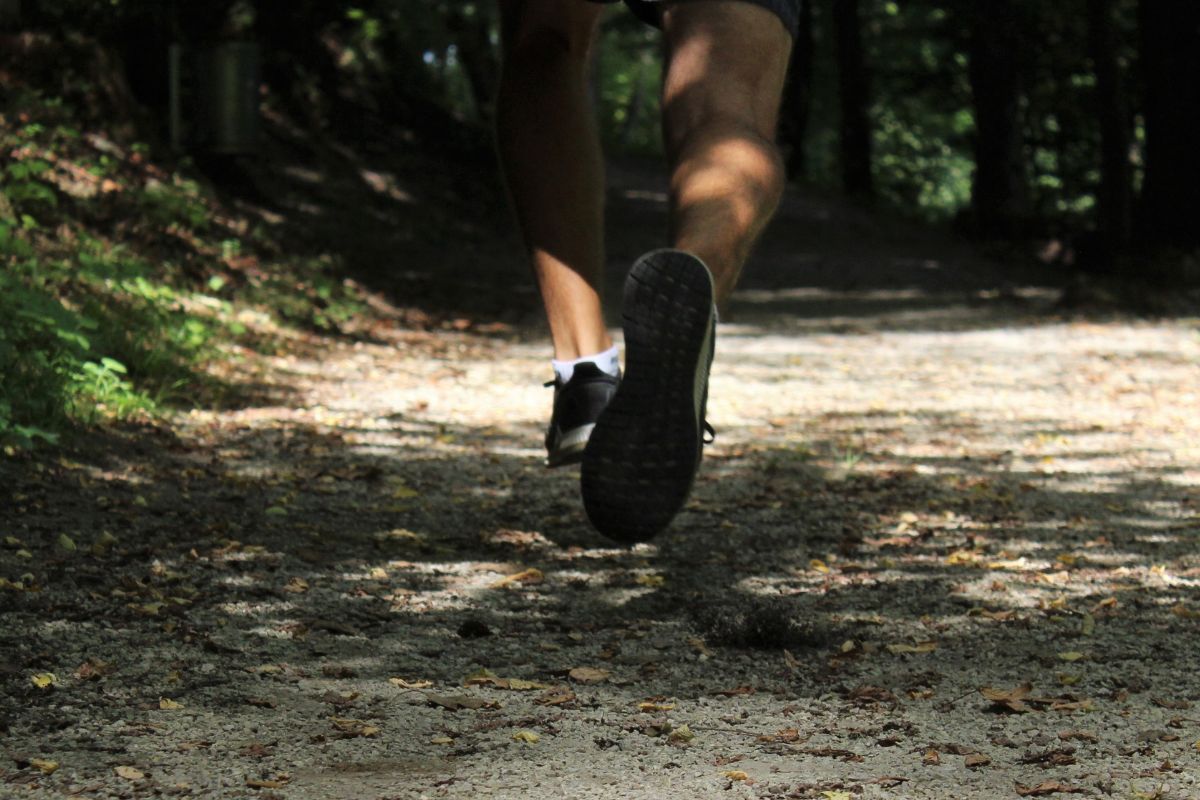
727	60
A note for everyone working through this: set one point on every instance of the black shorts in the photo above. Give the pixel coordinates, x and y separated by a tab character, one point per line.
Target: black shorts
788	11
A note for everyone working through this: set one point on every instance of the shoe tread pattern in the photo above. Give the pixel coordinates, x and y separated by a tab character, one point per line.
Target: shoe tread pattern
641	460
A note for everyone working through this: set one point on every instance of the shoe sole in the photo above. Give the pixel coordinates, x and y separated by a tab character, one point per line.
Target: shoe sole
570	447
641	460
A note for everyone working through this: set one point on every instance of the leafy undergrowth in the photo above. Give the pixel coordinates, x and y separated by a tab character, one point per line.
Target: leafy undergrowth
125	280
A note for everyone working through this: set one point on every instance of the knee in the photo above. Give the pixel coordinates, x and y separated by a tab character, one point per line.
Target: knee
733	146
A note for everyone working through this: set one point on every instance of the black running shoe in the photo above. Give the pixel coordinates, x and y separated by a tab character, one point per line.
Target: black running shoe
641	461
577	406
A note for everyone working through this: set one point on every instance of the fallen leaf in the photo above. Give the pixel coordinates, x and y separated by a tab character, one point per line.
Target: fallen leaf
651	707
455	702
104	543
1013	700
355	727
129	773
848	756
923	647
650	580
528	737
819	565
589	675
167	704
735	775
265	669
963	558
837	794
441	740
489	678
1087	626
1183	612
786	735
976	760
1046	787
66	543
1073	655
296	586
931	758
403	684
1083	736
44	680
93	669
278	782
557	697
44	765
681	735
527	576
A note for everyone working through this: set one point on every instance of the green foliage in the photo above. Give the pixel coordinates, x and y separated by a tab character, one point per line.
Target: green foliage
89	338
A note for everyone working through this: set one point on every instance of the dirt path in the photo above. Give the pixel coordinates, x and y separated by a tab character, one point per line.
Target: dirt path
945	545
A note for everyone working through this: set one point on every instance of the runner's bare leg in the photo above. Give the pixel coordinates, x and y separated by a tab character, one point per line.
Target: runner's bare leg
550	154
726	64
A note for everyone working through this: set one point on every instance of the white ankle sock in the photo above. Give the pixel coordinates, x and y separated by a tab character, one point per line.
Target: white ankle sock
608	361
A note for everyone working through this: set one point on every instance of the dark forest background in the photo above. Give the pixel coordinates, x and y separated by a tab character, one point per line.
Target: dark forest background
1016	119
1066	132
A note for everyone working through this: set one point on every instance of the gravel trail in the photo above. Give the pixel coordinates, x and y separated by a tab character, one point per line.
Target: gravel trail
945	544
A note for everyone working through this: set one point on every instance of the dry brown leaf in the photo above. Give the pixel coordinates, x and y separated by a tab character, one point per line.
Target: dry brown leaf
1013	700
556	697
455	702
44	765
785	735
1083	736
485	677
589	675
931	758
1047	787
528	737
735	775
167	704
681	735
129	773
526	576
296	586
355	727
93	669
278	782
976	760
651	707
403	684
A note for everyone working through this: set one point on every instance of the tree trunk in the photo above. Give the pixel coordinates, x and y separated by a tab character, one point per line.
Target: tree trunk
1115	196
797	98
999	192
1171	69
855	96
